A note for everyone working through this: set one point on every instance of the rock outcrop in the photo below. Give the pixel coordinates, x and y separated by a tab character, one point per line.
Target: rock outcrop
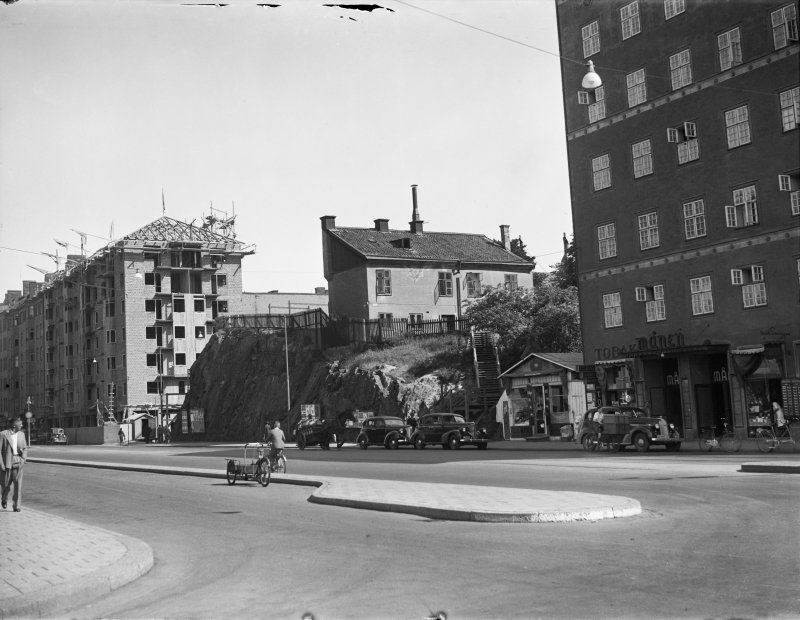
239	381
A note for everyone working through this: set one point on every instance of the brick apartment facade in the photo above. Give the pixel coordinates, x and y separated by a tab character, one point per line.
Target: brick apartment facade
119	328
684	175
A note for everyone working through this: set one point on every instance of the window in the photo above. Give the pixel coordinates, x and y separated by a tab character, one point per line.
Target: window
152	359
597	110
583	98
111	336
653	296
702	297
612	310
473	285
383	281
180	331
199	305
179	304
222	280
751	279
149	305
607	240
200	331
642	159
694	219
153	279
152	387
510	282
150	333
744	211
591	39
790	183
601	172
737	124
688	151
648	231
180	359
680	69
111	363
790	108
730	49
673	8
629	16
784	26
637	88
414	319
385	317
445	284
181	387
222	306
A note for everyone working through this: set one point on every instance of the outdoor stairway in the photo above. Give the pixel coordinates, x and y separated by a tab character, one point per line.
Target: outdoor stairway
487	370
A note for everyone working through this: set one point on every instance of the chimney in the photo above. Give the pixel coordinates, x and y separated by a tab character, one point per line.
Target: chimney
382	225
505	239
416	222
328	222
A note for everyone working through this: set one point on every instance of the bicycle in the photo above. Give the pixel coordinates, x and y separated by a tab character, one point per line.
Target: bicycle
770	438
267	465
727	441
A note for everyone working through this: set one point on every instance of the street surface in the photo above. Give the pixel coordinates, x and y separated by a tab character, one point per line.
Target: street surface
711	542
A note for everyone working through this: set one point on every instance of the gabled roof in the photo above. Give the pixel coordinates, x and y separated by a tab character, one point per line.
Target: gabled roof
438	246
167	229
570	361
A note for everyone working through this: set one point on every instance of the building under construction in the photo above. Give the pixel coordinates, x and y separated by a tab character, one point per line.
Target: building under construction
119	329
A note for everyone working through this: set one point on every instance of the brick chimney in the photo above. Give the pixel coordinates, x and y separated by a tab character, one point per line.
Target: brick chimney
382	225
505	238
416	222
328	222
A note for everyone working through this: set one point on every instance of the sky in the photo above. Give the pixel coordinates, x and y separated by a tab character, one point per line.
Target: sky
279	115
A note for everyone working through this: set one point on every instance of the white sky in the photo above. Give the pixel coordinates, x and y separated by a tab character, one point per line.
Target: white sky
291	113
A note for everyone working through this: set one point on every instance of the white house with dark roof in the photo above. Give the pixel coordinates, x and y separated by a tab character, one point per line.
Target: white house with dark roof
384	273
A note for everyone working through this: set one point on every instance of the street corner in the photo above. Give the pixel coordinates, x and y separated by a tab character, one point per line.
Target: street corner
66	565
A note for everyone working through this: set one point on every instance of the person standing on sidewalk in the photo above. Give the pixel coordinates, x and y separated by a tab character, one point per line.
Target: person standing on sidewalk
13	452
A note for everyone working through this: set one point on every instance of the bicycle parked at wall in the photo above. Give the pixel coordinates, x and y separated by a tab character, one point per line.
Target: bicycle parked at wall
772	437
727	441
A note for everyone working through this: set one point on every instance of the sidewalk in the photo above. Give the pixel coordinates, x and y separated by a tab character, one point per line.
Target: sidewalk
49	564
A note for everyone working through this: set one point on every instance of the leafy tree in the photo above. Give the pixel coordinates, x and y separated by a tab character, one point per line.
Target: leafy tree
544	319
566	271
518	248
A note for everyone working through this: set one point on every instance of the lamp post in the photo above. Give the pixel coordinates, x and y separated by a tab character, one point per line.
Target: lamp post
28	416
288	390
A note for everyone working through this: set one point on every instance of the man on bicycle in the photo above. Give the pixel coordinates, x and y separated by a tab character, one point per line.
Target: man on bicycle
276	438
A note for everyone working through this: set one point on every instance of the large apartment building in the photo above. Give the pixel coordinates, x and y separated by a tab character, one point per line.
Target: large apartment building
685	176
120	327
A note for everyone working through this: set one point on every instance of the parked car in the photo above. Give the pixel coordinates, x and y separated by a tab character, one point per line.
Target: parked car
57	436
318	432
386	431
450	430
625	426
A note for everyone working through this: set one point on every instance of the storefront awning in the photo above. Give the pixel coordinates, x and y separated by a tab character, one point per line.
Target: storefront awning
747	350
619	362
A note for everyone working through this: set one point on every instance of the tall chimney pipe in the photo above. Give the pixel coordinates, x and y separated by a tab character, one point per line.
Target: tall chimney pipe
416	223
505	238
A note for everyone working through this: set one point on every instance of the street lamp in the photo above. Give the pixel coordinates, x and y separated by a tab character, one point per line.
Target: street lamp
591	80
28	416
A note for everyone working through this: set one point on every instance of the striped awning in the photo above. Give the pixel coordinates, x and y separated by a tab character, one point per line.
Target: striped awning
747	350
618	362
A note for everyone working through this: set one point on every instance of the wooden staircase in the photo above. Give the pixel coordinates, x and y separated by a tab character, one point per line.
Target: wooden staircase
487	371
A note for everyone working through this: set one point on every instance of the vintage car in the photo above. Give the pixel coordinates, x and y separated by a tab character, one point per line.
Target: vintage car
450	430
625	426
57	436
316	433
386	431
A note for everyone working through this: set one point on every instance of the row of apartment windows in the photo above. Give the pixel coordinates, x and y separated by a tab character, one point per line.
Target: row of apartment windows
749	279
737	130
444	287
179	332
179	305
782	22
219	280
153	359
154	387
743	212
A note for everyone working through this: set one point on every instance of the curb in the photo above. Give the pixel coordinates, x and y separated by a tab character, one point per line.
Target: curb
57	599
774	467
588	506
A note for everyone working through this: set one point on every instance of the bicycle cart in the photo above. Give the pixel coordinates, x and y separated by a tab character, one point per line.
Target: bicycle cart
253	465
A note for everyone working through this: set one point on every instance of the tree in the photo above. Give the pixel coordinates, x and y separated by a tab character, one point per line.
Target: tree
518	248
566	271
545	319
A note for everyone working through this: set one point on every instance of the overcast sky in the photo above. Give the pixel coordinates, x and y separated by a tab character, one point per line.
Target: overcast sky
288	113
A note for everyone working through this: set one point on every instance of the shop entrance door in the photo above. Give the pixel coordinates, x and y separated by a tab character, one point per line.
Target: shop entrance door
713	404
666	402
539	423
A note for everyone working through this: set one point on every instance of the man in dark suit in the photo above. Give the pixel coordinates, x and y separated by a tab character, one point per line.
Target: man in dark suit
13	452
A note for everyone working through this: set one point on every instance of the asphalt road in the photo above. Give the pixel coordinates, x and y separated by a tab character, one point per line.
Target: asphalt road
712	542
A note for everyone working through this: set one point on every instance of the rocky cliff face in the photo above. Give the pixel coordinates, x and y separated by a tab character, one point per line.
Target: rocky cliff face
239	380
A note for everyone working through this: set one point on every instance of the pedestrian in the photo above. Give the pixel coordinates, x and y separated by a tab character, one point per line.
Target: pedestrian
121	436
777	412
167	434
13	452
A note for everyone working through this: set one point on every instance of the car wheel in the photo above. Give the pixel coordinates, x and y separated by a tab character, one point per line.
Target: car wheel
363	443
391	443
301	442
454	442
641	442
419	443
589	442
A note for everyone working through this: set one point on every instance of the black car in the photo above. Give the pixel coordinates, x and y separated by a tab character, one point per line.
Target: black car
450	430
386	431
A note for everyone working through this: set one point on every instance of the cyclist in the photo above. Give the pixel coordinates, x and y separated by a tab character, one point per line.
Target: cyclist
276	438
780	419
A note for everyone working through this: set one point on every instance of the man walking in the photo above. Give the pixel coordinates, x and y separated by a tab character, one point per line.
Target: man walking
13	452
